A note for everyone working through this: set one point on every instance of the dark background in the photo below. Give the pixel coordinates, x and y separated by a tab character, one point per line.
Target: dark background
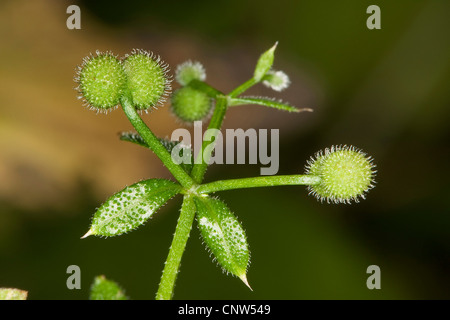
385	91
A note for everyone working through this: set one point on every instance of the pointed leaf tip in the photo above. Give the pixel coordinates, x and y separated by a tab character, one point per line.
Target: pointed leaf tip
245	281
132	207
223	235
264	63
89	233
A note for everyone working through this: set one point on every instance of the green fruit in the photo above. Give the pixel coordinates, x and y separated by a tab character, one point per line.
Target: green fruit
101	81
104	289
190	104
148	83
346	174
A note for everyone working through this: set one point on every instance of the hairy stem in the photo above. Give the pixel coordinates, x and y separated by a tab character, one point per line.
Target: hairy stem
201	162
264	181
186	219
243	87
172	265
205	88
153	142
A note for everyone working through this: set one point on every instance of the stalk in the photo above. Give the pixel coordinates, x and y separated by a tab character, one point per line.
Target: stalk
153	142
172	265
264	181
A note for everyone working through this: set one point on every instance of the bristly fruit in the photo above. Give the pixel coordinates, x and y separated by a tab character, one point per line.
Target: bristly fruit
148	83
346	174
104	289
188	71
190	104
13	294
101	81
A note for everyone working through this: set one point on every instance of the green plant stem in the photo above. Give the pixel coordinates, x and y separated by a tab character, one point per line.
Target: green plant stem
205	88
186	219
153	142
201	162
264	181
265	102
243	87
172	265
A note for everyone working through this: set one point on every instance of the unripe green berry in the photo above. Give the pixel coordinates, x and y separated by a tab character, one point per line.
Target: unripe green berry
190	104
346	174
188	71
101	81
148	84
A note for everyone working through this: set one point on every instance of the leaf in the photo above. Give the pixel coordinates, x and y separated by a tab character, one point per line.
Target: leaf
13	294
104	289
168	144
267	102
224	235
264	63
134	138
132	207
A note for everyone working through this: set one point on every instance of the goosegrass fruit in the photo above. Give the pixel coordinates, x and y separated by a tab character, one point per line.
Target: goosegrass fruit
101	81
190	104
147	82
346	174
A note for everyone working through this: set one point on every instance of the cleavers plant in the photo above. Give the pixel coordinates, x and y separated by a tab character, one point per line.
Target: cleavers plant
138	83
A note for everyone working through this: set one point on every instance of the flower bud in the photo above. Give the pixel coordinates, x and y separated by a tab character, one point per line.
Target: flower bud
148	84
276	80
188	71
346	174
190	104
101	81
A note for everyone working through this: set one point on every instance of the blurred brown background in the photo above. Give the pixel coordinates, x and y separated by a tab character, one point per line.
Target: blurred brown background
385	91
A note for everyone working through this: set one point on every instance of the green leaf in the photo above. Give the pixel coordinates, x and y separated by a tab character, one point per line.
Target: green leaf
168	144
264	63
104	289
134	138
224	235
267	102
132	207
13	294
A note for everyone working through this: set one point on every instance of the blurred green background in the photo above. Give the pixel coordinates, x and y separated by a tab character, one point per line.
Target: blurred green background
385	91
